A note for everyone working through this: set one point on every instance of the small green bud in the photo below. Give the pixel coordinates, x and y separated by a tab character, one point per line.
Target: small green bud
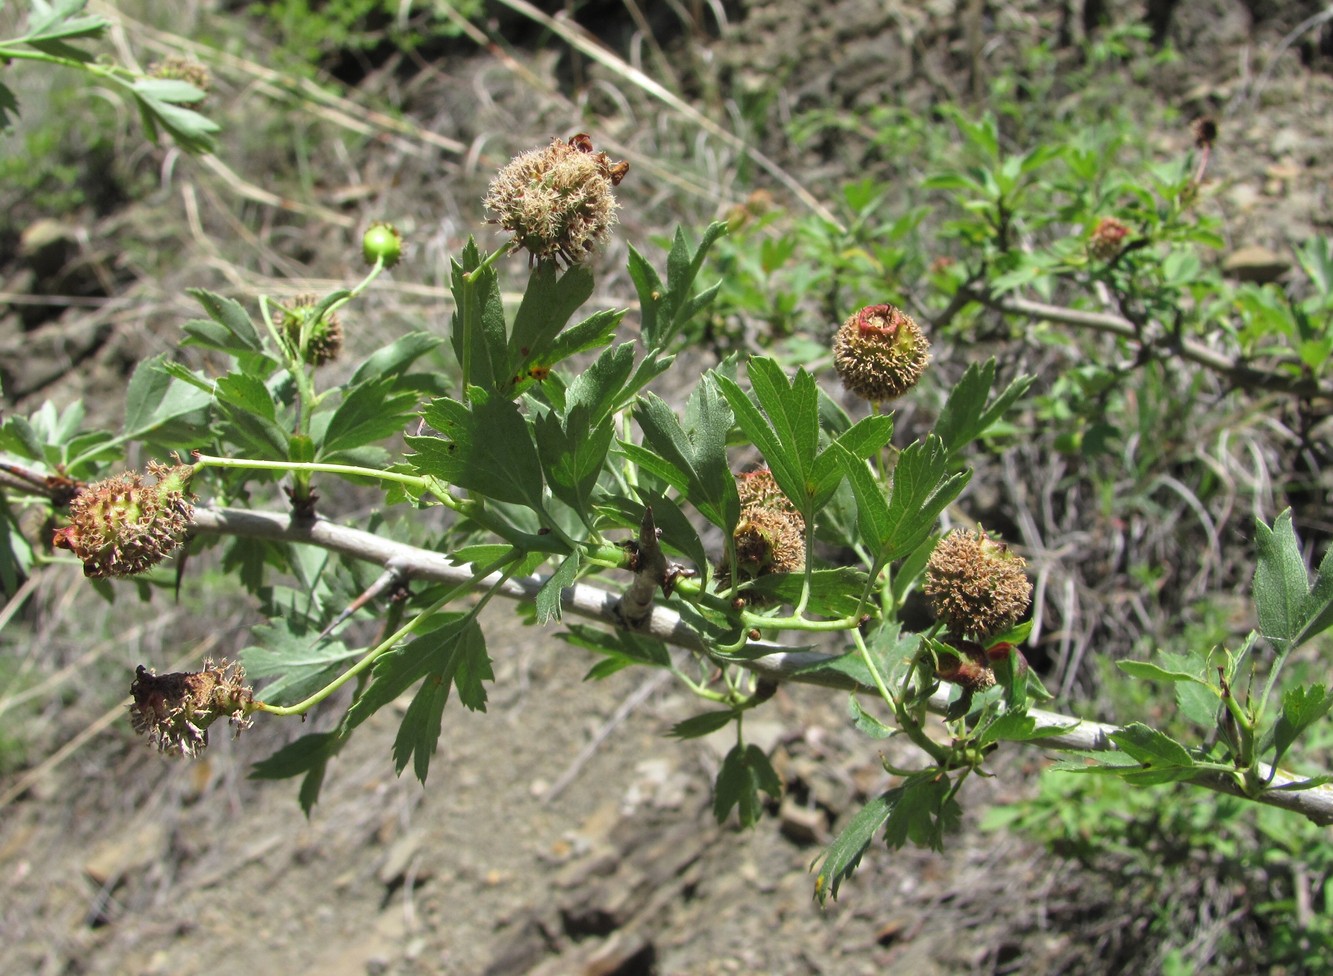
382	242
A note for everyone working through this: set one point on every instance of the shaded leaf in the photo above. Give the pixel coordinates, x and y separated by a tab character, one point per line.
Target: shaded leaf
965	416
190	130
602	388
789	439
863	439
696	450
477	328
1153	672
866	723
573	453
745	772
452	656
287	649
1152	748
395	358
926	810
1290	609
399	669
621	648
664	310
548	302
1197	702
922	488
698	726
308	756
246	393
548	597
833	592
368	413
1014	727
154	399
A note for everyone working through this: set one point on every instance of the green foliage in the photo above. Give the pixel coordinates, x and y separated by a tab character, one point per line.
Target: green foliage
745	773
59	34
310	34
60	185
1159	854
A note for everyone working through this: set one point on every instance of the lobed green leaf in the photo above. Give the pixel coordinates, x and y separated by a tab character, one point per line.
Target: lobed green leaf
369	412
485	446
841	857
1152	748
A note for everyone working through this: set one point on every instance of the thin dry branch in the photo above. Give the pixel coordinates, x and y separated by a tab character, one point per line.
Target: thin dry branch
1235	370
781	663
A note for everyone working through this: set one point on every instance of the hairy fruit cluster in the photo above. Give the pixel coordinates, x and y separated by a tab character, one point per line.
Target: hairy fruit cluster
1107	239
120	527
557	201
976	586
880	353
770	534
175	710
176	68
316	339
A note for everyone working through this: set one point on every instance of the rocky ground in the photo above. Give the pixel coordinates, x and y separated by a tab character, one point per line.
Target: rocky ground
560	832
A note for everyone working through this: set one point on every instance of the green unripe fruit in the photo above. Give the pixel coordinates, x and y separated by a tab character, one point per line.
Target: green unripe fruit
382	242
122	527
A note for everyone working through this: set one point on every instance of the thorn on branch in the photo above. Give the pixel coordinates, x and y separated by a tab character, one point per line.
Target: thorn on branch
59	488
651	570
303	502
392	581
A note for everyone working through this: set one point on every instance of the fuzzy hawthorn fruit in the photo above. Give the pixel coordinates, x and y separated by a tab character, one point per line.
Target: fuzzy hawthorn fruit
770	535
1107	239
976	586
316	341
557	201
968	667
121	527
175	710
880	353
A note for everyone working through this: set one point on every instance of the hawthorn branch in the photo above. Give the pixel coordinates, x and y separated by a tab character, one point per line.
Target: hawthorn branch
781	663
650	568
1239	373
